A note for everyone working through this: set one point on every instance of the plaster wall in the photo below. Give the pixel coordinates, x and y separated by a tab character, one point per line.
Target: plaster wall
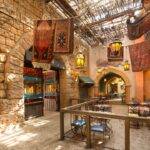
147	85
99	54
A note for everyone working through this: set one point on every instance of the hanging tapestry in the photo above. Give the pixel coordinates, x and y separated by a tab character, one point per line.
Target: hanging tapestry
140	56
43	41
139	27
114	55
64	35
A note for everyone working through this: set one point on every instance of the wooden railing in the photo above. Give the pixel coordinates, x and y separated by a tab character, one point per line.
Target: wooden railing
81	109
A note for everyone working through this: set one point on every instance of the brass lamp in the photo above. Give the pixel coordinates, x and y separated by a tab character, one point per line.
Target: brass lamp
126	65
80	60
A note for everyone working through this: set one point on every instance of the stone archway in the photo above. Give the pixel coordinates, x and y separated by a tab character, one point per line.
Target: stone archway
121	74
12	106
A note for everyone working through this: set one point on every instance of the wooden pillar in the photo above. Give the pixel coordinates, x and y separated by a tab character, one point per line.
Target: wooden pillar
96	91
61	125
139	77
127	134
88	142
127	94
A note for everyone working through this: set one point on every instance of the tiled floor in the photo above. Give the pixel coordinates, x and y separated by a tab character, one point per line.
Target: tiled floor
43	134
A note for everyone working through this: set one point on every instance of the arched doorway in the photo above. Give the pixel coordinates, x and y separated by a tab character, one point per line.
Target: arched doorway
120	74
14	80
113	86
49	87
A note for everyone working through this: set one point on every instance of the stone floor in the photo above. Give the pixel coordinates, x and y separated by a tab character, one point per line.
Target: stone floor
43	134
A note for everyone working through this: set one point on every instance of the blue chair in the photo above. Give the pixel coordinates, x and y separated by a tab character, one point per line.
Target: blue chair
79	122
77	126
100	126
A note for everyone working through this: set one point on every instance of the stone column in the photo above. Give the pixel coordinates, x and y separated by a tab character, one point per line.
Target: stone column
2	81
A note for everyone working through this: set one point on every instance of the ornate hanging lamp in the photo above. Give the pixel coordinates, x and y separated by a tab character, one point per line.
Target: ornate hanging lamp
80	60
126	66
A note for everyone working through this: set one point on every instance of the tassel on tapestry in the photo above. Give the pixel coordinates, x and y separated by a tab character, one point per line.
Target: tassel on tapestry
140	56
64	35
43	41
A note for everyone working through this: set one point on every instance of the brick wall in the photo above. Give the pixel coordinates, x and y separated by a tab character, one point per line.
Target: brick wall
16	19
16	26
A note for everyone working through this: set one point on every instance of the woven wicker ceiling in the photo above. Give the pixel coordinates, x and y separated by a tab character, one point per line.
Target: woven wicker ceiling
99	20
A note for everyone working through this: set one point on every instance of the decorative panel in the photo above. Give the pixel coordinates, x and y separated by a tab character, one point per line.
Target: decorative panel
115	55
43	41
140	56
64	35
139	27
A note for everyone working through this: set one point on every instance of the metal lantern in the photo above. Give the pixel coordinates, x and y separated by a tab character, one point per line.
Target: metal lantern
80	60
126	65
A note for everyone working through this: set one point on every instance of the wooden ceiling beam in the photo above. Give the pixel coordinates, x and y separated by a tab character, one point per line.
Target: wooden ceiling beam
66	7
110	18
47	1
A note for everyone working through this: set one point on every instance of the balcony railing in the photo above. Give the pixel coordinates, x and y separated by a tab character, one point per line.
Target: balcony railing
86	109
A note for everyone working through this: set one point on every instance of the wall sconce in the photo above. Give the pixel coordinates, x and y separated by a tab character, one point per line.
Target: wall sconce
126	65
80	60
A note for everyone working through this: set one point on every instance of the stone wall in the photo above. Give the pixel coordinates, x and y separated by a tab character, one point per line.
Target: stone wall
16	35
100	55
69	88
136	88
16	18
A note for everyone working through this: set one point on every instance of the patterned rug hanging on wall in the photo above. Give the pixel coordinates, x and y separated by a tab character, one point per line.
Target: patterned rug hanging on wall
43	41
64	36
140	56
52	36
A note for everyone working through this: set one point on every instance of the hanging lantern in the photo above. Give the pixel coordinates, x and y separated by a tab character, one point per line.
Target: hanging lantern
80	60
126	65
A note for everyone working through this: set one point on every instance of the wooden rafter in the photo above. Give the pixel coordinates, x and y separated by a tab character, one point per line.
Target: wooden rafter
90	15
68	10
66	7
110	18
